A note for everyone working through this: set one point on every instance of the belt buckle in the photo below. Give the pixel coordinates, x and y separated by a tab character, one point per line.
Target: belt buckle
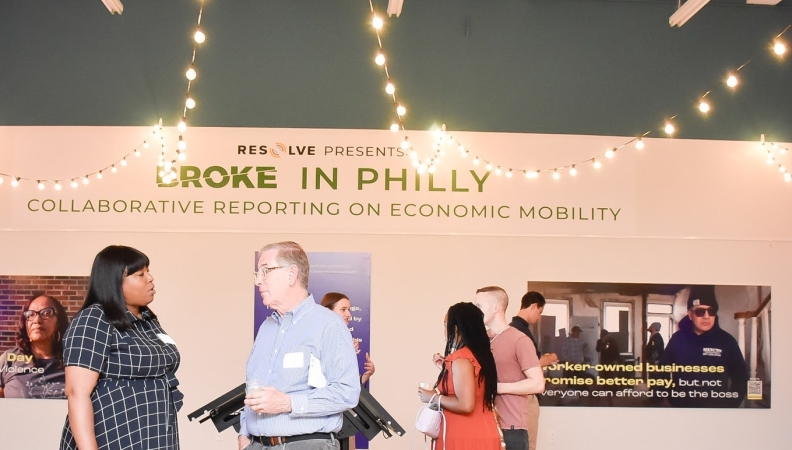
276	440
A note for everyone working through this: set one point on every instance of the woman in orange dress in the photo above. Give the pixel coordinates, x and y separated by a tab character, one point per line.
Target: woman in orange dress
467	383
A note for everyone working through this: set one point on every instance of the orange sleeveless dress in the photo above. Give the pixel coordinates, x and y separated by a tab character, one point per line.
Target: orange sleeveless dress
476	430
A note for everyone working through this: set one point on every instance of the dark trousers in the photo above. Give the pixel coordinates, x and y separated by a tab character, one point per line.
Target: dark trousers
516	439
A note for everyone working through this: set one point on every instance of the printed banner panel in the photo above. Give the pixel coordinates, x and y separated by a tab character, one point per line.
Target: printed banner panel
634	345
34	314
348	181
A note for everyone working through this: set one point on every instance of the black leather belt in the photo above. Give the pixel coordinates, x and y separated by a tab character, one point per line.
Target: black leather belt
271	441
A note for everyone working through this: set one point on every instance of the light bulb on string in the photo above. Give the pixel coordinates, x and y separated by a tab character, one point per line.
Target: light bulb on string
189	103
787	177
415	163
639	144
181	156
421	168
182	126
58	186
779	48
379	59
401	110
489	167
390	88
573	171
85	180
124	162
509	174
476	161
145	145
432	168
191	73
40	186
74	184
498	171
703	106
669	128
199	35
556	175
532	174
99	175
137	153
405	144
732	80
182	145
610	153
782	169
113	169
2	180
394	127
15	182
377	23
597	164
413	155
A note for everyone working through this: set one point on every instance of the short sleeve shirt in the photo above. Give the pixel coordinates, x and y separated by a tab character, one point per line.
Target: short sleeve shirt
514	353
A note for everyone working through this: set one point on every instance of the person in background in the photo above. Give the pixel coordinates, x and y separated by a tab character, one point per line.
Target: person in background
608	348
467	383
302	358
340	304
656	346
701	342
574	348
120	364
531	307
519	372
34	368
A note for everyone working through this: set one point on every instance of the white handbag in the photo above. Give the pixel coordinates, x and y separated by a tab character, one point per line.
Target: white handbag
429	420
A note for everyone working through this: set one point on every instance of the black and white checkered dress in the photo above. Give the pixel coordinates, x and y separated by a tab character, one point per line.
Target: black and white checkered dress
136	397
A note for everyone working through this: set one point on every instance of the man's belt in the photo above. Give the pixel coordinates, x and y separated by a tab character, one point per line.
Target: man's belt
271	441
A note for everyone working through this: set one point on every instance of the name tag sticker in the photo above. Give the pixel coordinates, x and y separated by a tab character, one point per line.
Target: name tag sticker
166	339
293	360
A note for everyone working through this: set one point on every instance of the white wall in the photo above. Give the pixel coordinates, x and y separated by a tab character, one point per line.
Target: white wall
205	292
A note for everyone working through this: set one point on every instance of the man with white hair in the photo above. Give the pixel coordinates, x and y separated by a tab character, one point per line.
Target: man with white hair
303	358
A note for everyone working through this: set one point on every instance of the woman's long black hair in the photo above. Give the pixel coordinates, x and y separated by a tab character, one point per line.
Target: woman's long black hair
110	267
465	328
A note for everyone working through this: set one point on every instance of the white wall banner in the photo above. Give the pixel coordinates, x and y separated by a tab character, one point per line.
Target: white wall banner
305	180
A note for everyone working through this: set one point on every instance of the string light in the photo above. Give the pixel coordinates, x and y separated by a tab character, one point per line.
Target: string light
41	183
191	73
779	48
771	158
732	81
441	136
199	35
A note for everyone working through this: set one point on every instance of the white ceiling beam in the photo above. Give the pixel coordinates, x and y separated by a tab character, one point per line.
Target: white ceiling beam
114	6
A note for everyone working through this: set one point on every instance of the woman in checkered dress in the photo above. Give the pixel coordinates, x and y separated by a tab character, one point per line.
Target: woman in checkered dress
120	364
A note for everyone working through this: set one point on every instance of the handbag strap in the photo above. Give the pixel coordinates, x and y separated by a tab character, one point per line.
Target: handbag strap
434	442
498	426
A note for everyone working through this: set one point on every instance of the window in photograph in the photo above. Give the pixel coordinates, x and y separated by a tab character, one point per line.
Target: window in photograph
616	318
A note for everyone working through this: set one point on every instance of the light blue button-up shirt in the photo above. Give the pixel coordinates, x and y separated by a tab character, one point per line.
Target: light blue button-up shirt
281	357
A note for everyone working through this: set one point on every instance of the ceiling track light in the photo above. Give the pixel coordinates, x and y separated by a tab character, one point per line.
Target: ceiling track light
686	11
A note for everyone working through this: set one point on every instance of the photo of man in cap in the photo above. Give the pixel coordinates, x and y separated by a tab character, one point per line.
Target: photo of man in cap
713	372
